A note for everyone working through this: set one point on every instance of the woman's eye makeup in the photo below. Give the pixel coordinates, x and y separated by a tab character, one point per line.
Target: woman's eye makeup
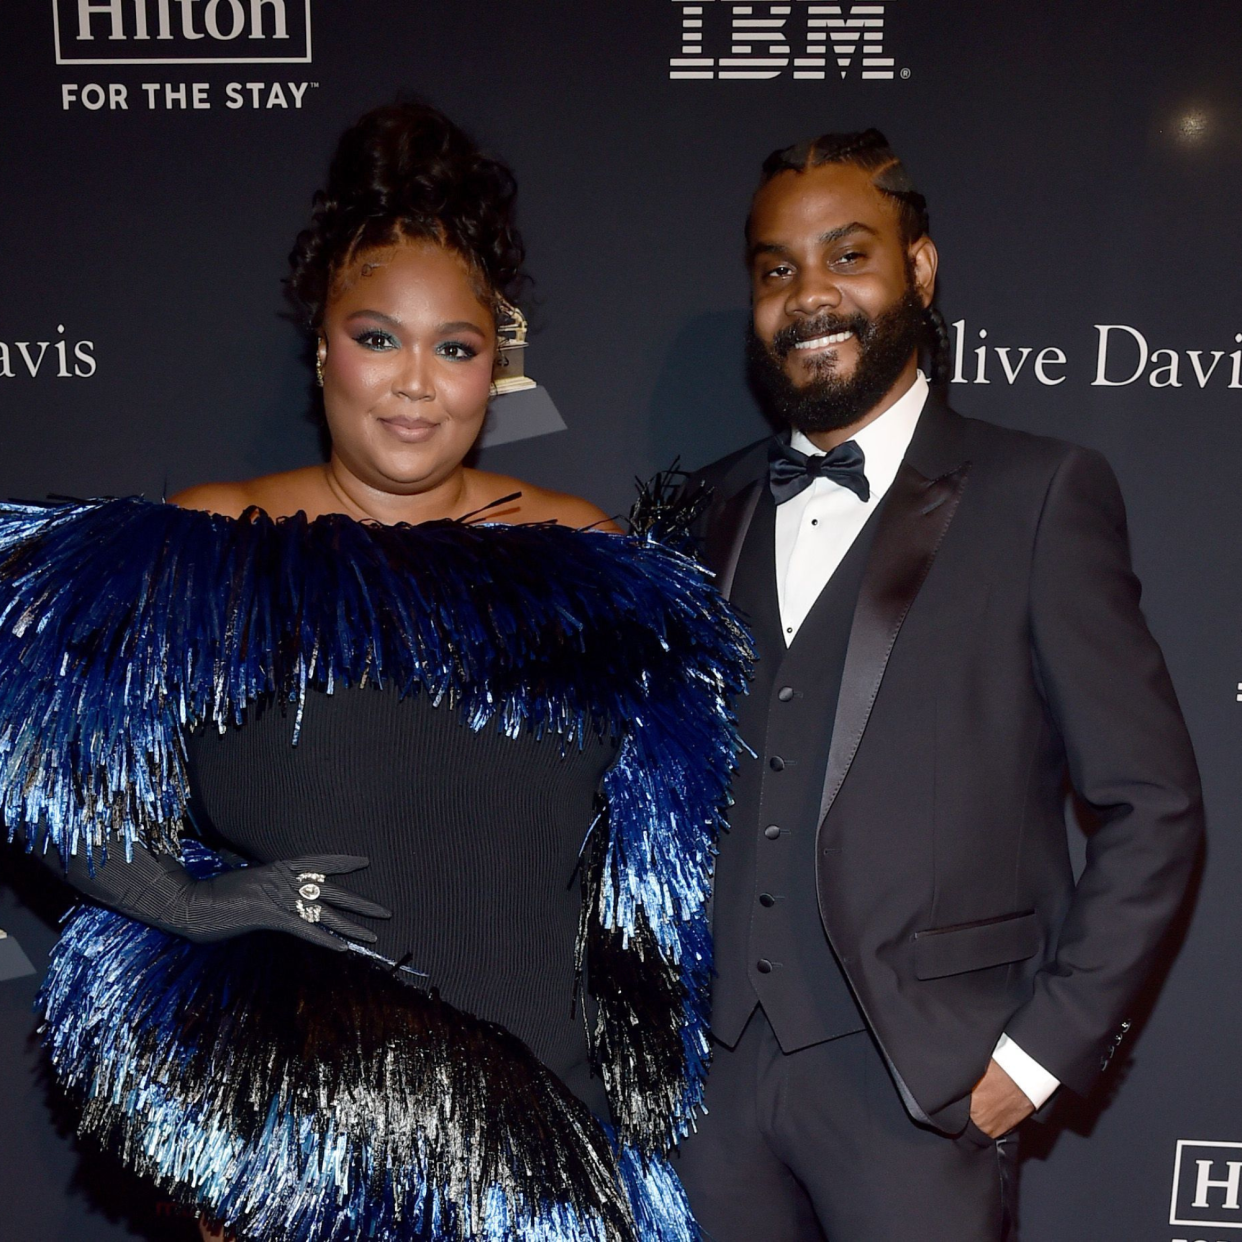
375	339
379	341
457	351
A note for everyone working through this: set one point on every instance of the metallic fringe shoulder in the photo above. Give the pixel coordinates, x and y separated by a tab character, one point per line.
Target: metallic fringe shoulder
124	624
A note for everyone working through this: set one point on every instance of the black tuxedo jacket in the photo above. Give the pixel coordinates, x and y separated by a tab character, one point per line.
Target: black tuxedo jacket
997	653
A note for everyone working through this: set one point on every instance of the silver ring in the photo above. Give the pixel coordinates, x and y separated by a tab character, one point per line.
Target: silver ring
310	913
310	891
312	875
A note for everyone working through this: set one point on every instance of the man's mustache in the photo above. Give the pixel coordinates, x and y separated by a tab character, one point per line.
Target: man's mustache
822	325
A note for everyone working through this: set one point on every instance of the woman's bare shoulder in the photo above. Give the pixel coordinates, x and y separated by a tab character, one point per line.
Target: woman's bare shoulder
226	499
542	504
276	494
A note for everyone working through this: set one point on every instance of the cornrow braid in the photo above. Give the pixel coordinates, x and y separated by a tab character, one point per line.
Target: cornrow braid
869	150
939	347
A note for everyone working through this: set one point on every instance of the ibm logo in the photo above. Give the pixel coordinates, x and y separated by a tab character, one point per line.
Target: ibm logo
767	39
1207	1185
182	32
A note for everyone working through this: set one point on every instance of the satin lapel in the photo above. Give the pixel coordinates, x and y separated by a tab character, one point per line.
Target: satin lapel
728	532
916	516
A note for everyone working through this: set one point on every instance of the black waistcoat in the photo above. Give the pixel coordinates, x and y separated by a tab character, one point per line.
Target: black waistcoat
771	948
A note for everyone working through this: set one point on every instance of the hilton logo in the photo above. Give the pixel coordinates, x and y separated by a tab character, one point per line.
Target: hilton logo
1207	1185
181	32
814	41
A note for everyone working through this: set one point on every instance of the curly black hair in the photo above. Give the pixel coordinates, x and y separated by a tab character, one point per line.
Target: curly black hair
404	170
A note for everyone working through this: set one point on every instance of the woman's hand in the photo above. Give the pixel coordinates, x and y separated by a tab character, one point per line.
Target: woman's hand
296	896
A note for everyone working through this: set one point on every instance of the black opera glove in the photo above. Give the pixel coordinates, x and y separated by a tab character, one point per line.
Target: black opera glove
293	896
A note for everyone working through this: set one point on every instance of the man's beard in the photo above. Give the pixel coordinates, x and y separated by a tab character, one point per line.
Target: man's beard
833	401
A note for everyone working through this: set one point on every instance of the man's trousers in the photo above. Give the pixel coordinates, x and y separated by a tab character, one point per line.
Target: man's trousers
816	1144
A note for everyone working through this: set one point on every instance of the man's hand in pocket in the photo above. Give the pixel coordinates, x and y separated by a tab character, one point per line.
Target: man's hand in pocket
997	1103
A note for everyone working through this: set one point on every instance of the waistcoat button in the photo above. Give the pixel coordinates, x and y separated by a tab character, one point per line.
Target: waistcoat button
776	763
767	900
785	693
763	966
772	832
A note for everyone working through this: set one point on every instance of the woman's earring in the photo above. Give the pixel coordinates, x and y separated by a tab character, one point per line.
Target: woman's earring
319	369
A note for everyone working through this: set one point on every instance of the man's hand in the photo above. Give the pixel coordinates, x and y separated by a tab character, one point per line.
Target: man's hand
997	1103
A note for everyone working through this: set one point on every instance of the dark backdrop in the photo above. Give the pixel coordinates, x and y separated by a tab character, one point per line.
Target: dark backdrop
1082	162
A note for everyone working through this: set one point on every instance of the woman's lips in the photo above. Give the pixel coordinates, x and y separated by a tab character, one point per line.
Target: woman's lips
409	430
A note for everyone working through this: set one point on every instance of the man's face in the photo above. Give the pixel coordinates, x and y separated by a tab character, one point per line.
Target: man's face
837	297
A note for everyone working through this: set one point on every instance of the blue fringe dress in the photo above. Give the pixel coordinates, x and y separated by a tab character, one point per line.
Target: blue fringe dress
303	1096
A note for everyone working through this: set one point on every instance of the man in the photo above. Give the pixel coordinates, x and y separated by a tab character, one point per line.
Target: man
949	635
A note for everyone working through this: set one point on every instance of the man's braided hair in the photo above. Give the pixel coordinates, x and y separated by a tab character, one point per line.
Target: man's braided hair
869	150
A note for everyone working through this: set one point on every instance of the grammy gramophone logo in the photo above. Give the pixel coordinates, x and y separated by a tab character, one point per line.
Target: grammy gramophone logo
510	372
521	409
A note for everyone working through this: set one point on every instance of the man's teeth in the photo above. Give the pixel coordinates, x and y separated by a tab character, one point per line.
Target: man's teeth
822	342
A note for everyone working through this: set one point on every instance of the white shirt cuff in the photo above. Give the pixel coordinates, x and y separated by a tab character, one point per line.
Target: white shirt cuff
1031	1078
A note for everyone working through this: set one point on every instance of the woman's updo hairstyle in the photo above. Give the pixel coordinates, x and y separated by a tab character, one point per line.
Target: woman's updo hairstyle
405	171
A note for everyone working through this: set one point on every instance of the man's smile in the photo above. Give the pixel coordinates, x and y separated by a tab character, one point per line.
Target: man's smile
824	342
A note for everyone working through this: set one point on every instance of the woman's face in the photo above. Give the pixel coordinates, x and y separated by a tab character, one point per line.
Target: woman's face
407	349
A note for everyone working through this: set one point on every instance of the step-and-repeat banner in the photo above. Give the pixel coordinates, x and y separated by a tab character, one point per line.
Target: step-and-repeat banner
1083	163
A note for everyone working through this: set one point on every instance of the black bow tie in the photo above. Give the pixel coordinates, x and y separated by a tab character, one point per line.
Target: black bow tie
791	472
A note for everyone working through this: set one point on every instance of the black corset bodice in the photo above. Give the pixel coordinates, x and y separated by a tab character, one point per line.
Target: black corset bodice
473	839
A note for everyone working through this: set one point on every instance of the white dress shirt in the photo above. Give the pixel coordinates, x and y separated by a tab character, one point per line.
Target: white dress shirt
814	531
818	526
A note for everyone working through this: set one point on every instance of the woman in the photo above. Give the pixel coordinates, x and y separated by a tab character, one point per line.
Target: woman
507	727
